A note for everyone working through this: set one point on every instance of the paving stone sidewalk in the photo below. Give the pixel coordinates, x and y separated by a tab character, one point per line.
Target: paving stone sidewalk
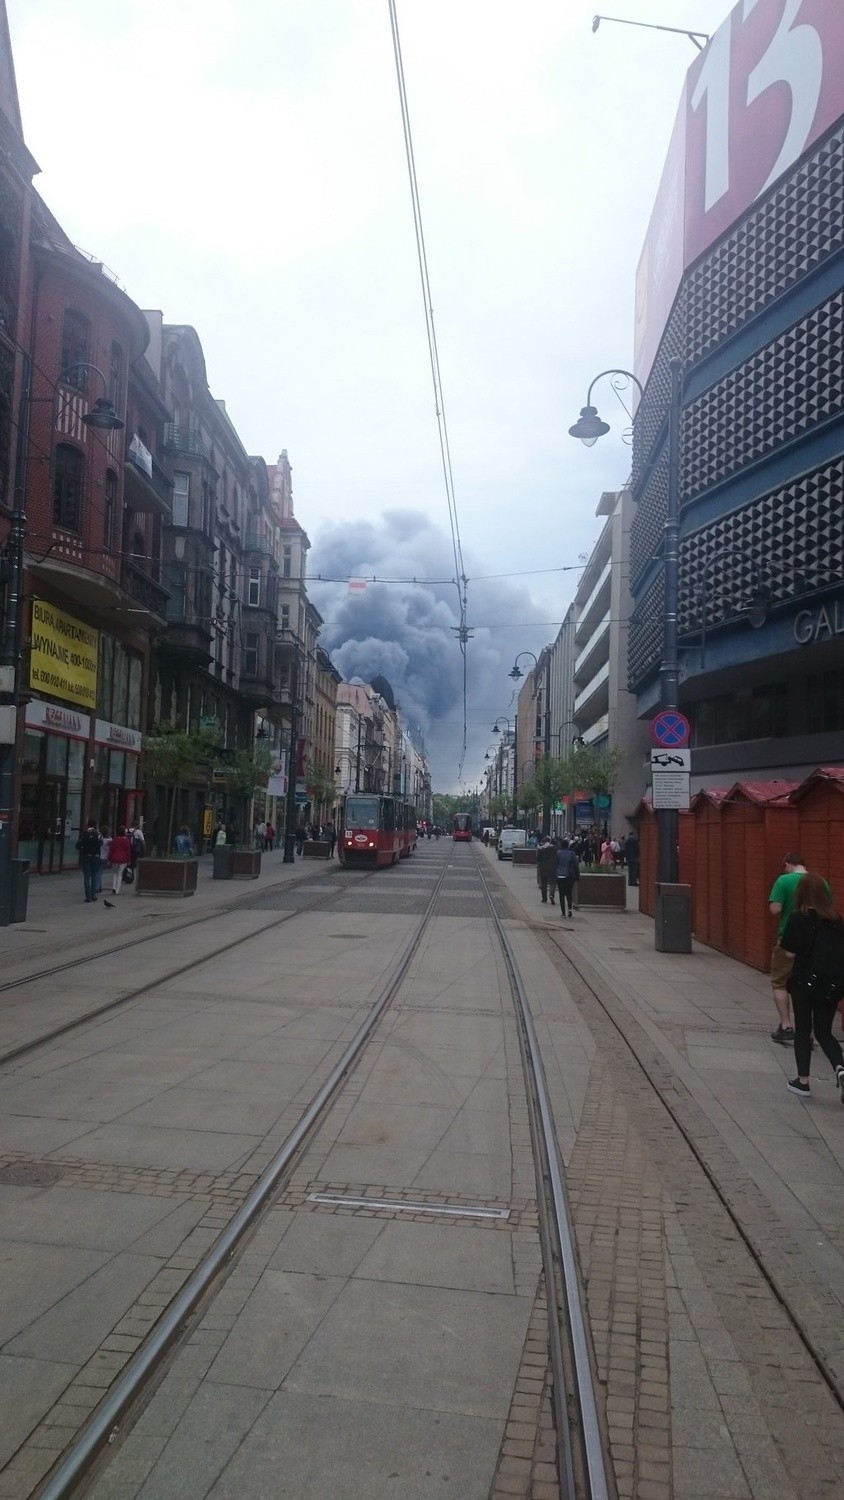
710	1393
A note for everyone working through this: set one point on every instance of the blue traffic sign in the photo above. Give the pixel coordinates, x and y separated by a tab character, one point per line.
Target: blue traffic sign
670	728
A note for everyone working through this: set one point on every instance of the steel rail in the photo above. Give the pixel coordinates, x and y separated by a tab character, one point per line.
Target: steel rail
152	935
14	1054
821	1363
558	1244
101	1428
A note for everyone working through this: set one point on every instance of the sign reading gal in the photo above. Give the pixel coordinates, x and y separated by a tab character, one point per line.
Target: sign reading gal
63	660
819	624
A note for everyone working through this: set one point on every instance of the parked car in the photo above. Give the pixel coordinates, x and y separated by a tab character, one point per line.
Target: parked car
510	839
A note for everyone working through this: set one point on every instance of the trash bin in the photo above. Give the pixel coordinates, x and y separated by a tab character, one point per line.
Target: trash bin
223	861
673	919
18	889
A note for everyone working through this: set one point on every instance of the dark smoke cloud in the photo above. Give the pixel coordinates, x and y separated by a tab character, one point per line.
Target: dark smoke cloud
405	631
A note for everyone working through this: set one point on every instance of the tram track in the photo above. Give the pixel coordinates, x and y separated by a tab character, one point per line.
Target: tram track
585	980
581	1443
33	1044
80	1462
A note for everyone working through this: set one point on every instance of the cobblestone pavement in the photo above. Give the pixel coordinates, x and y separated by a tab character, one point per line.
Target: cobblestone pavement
688	1247
377	1337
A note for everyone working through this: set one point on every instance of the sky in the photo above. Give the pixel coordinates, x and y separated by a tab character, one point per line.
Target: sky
240	165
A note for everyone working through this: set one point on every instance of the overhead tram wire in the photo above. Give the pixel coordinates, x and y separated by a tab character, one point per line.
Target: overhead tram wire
460	580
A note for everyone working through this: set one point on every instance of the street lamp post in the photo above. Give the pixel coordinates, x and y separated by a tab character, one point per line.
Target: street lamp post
589	428
103	417
512	730
516	674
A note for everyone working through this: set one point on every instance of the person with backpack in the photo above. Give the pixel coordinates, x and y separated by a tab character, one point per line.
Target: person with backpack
546	868
119	857
89	858
814	938
568	874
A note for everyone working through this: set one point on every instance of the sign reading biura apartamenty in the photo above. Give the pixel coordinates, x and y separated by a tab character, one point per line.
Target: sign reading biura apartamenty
63	661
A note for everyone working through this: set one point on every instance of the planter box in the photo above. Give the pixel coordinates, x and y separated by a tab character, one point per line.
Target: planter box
166	877
602	890
223	856
246	864
316	849
524	856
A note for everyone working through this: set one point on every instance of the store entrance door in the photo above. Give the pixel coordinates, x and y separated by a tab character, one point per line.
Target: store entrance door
51	825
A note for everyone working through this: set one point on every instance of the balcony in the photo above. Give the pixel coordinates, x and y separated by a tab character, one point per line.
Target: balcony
185	440
599	596
144	589
256	543
597	646
187	636
594	698
146	486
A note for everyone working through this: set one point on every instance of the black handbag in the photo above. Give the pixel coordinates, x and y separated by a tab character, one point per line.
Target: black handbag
128	876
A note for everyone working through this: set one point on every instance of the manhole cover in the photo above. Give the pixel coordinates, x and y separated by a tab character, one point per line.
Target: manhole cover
349	937
20	1174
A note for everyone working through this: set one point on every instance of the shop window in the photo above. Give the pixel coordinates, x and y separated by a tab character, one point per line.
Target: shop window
250	656
255	586
76	344
181	499
759	713
110	511
825	702
67	487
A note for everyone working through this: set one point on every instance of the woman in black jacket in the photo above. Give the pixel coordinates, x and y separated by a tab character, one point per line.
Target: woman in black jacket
815	986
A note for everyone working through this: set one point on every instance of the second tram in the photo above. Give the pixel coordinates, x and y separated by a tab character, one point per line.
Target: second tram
375	830
461	828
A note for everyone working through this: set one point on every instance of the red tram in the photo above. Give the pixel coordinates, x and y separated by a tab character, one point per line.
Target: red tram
461	828
375	830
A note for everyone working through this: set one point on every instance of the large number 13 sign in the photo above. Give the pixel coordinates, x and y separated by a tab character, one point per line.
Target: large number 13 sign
769	83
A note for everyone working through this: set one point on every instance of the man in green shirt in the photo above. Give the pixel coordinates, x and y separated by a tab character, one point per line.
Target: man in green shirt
781	905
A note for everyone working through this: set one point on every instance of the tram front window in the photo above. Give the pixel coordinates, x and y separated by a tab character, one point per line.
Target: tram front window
362	812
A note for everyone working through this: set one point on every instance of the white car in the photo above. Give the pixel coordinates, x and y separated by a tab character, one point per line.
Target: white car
510	839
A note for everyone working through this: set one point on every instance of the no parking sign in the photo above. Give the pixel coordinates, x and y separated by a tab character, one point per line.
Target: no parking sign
671	729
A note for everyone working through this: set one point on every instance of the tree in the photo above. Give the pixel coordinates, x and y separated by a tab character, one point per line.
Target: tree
322	787
596	771
173	757
499	806
247	770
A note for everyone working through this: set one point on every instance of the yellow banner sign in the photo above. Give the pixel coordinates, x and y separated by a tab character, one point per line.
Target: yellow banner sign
63	662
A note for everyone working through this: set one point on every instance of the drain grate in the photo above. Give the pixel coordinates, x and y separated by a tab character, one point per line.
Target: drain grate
30	1174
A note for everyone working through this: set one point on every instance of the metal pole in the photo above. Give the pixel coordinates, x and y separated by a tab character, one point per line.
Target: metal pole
290	808
669	672
546	806
516	768
10	649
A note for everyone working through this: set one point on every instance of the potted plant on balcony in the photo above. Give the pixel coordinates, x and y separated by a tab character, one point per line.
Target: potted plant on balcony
172	757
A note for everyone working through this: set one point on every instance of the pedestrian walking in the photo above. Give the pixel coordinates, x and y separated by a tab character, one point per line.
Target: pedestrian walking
89	859
632	850
105	845
607	860
546	869
813	938
119	858
183	843
301	831
329	833
270	837
137	843
781	905
568	874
